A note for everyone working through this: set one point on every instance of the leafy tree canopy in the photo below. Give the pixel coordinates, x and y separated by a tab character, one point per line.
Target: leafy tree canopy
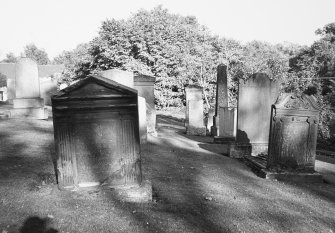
39	55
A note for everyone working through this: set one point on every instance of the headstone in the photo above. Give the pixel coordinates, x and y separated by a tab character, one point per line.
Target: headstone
256	95
221	97
145	85
293	134
121	76
142	119
194	111
97	139
27	102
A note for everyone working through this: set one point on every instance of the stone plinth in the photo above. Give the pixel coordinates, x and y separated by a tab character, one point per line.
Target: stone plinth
293	134
256	95
227	129
194	120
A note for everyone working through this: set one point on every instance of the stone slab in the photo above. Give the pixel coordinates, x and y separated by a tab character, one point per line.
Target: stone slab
28	103
223	140
142	119
198	131
30	113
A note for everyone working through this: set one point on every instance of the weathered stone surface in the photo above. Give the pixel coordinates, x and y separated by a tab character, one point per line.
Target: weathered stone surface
256	95
221	97
293	135
228	123
144	84
26	79
194	111
97	135
121	76
142	119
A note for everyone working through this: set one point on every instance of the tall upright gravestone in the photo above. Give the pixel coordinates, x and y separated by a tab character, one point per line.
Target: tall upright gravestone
194	121
224	127
27	102
256	95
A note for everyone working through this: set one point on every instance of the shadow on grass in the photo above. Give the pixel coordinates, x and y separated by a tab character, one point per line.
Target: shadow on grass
36	224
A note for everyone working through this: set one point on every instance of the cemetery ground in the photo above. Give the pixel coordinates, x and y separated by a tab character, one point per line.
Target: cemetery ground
195	189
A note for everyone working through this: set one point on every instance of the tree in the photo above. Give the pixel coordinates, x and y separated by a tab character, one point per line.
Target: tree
39	55
10	58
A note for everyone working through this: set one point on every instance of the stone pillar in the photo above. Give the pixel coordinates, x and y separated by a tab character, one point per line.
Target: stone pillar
256	95
194	111
142	119
27	102
221	97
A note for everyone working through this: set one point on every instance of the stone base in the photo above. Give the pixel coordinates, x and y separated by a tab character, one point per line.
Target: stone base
214	131
31	113
199	131
258	166
239	150
223	140
28	103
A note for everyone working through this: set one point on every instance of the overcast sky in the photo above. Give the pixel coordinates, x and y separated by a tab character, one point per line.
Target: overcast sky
57	25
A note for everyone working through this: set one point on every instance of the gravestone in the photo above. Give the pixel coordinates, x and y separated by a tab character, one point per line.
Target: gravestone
256	95
293	133
144	84
194	120
224	121
97	141
221	99
27	102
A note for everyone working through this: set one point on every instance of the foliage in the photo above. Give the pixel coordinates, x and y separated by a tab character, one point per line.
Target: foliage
39	55
10	58
308	66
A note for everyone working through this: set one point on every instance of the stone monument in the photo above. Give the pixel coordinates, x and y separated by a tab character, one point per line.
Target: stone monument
224	121
27	102
256	95
194	120
97	141
293	133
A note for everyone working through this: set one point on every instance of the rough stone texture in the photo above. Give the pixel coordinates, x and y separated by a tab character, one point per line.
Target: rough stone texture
121	76
97	135
48	87
293	134
228	124
239	150
28	103
221	97
256	95
142	119
193	92
194	111
144	84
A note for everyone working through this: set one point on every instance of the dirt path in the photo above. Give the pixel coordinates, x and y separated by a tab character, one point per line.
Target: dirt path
195	190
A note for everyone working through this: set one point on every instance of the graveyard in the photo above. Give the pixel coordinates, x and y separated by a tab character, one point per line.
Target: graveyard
158	125
95	164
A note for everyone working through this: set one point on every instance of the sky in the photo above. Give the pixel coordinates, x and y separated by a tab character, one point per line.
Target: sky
58	25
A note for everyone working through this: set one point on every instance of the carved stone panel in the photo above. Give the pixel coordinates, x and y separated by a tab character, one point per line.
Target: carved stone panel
293	133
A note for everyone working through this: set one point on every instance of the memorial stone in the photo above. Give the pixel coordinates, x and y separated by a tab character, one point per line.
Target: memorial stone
194	111
221	97
97	141
293	133
27	102
256	95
